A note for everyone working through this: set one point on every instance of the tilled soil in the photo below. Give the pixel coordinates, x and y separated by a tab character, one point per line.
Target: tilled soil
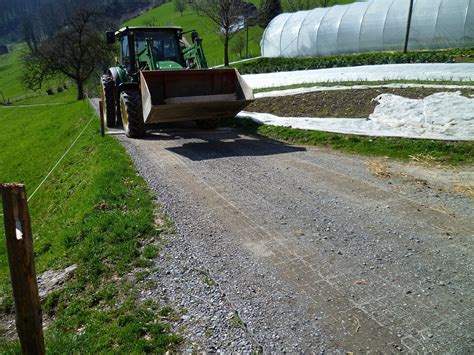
288	248
340	103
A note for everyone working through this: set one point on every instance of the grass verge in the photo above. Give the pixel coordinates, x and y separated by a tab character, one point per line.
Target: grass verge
94	211
440	152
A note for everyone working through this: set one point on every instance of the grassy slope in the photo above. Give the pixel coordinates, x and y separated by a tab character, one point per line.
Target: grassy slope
10	73
11	88
316	3
166	15
93	211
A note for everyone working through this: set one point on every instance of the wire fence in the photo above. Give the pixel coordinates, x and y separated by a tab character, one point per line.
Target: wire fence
59	161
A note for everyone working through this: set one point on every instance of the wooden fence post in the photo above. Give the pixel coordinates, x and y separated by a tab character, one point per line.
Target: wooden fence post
101	115
22	268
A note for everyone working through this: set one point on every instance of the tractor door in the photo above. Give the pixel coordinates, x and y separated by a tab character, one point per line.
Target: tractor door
125	52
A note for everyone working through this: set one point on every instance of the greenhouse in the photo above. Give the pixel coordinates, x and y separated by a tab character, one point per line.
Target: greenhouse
374	25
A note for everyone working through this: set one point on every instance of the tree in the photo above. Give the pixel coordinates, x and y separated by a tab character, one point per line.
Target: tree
195	7
298	5
75	51
269	10
227	15
238	45
180	5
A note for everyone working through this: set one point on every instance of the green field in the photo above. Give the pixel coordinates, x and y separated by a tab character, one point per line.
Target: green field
10	73
11	87
93	211
166	15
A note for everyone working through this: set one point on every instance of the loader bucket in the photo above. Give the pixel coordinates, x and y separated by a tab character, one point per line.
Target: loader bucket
182	95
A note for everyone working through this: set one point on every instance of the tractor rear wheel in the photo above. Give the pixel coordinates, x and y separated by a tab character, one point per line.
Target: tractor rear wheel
132	115
210	123
108	100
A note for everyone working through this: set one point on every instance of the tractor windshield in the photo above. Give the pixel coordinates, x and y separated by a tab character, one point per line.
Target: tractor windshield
165	45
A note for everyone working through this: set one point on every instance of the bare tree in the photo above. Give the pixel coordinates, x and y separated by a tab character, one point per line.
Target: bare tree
227	15
269	9
180	5
75	51
195	7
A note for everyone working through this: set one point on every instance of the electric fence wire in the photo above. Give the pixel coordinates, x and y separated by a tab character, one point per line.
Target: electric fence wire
59	161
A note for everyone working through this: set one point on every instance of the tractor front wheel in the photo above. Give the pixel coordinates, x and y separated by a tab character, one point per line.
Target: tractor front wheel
108	100
132	115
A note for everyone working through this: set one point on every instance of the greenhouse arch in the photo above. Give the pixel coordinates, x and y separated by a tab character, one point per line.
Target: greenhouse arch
374	25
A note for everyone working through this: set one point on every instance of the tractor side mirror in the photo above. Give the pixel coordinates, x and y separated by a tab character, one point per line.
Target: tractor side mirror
110	37
194	36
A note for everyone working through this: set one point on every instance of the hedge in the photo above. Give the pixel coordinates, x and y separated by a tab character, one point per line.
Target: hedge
269	65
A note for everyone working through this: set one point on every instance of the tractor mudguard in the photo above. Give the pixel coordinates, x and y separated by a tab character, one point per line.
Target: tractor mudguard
127	86
118	75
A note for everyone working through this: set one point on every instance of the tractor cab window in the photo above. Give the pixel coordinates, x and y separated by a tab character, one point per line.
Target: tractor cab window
165	45
124	50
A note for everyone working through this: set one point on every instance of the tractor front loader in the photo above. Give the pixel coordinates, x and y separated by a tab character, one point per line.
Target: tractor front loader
161	77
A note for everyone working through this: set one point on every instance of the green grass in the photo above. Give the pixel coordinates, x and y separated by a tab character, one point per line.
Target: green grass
10	73
442	152
11	87
166	15
235	321
316	3
94	211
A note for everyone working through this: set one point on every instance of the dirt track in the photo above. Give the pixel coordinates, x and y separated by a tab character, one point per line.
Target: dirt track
313	250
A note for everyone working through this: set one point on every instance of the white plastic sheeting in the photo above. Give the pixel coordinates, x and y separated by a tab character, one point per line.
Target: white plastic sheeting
387	72
444	116
373	25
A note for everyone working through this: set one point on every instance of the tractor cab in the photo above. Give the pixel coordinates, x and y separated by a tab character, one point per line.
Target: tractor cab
150	48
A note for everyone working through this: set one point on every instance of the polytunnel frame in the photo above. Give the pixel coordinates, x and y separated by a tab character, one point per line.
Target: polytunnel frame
362	21
320	23
385	23
301	26
339	27
376	26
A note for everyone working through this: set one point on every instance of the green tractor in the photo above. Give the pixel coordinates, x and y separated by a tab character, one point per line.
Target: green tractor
161	77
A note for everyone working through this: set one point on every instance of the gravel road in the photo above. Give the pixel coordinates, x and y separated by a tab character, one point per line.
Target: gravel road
287	248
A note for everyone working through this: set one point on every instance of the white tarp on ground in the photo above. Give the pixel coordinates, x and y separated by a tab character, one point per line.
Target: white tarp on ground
445	116
387	72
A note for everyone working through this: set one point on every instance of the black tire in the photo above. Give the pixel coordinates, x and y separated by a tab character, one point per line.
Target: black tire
108	100
210	123
132	115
